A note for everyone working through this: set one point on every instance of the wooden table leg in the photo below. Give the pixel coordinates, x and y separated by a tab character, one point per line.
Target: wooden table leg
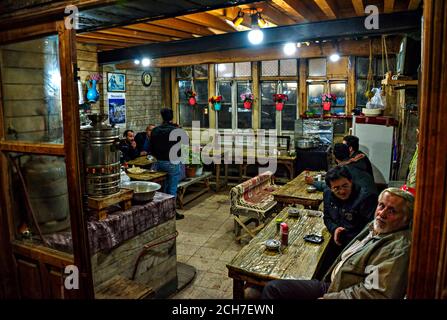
226	173
238	289
218	177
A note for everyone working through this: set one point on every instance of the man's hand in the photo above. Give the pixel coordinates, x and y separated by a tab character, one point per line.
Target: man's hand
337	233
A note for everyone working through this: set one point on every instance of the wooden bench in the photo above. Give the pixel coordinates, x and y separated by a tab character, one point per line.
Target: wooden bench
204	180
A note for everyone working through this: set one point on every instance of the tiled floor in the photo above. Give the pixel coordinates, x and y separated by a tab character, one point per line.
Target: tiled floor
206	241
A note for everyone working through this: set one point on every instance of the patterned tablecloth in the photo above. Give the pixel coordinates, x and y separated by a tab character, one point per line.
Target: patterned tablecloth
120	225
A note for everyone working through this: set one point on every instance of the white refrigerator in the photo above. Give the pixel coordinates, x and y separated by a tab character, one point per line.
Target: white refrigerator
376	141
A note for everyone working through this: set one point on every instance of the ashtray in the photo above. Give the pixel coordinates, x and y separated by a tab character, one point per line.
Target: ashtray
311	189
272	244
293	212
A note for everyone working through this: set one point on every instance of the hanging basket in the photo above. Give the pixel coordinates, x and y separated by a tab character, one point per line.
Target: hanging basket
326	106
217	106
247	104
192	101
279	106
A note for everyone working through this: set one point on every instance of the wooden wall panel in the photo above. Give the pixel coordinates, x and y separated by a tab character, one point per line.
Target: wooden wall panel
30	279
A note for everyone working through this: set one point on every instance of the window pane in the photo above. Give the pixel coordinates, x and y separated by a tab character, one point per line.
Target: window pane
243	115
199	112
339	89
201	88
362	67
317	67
288	67
243	69
288	113
225	70
184	72
201	71
268	110
31	87
225	113
315	91
361	89
391	63
269	68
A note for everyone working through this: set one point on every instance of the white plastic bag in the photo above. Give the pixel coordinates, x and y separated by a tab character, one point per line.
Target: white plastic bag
377	101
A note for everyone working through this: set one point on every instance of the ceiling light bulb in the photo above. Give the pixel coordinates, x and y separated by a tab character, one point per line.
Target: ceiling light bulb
334	57
146	62
136	61
289	48
255	36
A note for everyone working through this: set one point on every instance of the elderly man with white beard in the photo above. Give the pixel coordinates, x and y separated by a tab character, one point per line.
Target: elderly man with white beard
374	265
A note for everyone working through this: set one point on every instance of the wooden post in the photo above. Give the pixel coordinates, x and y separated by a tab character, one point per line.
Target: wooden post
256	119
302	98
211	92
428	263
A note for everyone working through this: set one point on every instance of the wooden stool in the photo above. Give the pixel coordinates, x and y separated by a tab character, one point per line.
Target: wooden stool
99	204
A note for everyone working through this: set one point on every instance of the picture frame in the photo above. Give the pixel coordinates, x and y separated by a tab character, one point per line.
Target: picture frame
116	82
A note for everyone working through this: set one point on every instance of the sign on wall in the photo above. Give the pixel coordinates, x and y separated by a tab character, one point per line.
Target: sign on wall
117	108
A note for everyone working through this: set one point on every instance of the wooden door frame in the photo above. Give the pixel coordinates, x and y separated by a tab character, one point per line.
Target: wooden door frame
428	261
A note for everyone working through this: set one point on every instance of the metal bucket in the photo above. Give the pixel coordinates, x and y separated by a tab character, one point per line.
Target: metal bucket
101	157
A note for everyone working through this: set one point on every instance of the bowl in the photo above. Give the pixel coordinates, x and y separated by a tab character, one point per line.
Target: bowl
142	190
272	244
293	212
311	189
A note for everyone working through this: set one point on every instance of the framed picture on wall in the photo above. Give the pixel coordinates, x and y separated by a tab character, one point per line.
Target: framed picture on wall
116	82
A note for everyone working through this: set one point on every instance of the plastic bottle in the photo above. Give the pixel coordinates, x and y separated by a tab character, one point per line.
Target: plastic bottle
284	234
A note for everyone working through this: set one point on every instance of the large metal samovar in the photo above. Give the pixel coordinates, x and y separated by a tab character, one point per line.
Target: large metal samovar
101	157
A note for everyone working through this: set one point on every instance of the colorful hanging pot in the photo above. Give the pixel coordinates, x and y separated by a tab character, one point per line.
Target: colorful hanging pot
247	104
326	106
192	101
279	106
217	106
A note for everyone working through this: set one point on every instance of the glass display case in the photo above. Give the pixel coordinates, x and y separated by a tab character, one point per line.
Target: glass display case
315	129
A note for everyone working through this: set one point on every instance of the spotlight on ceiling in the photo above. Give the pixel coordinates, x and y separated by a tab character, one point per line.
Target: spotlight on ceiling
289	48
136	61
334	57
239	18
146	62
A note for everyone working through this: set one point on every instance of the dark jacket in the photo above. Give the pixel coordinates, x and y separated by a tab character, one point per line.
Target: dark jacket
159	142
141	139
128	153
361	162
352	214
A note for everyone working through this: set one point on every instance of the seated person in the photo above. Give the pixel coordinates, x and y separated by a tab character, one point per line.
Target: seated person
360	177
357	157
128	147
373	266
143	139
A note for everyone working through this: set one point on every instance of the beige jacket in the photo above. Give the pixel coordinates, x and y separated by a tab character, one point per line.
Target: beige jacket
377	271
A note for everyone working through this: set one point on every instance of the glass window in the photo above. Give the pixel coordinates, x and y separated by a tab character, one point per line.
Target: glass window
184	72
224	70
224	116
317	67
339	89
199	112
269	68
243	69
288	67
243	115
201	71
288	114
31	88
362	67
315	91
268	111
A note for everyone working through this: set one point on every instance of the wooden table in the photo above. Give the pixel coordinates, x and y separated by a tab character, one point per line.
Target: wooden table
299	260
294	192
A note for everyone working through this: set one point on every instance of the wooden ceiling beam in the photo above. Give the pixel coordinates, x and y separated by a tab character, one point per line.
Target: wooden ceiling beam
158	30
83	39
414	4
107	36
185	26
300	7
208	20
135	34
326	8
285	8
346	48
272	14
358	7
388	6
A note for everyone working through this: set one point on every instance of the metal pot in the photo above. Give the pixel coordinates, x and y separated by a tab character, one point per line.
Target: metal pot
142	190
306	144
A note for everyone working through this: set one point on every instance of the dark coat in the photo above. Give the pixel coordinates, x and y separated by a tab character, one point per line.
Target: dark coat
140	139
159	142
128	153
361	162
352	214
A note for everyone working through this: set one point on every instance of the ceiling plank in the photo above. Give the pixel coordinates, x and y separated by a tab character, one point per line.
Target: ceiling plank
300	7
285	8
358	7
185	26
114	37
389	6
270	13
158	30
414	4
208	20
326	8
323	30
136	34
84	39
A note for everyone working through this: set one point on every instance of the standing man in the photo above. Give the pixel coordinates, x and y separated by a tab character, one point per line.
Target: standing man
160	147
373	266
128	146
143	140
357	157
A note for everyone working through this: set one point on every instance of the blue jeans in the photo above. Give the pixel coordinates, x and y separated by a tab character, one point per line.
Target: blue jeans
170	185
